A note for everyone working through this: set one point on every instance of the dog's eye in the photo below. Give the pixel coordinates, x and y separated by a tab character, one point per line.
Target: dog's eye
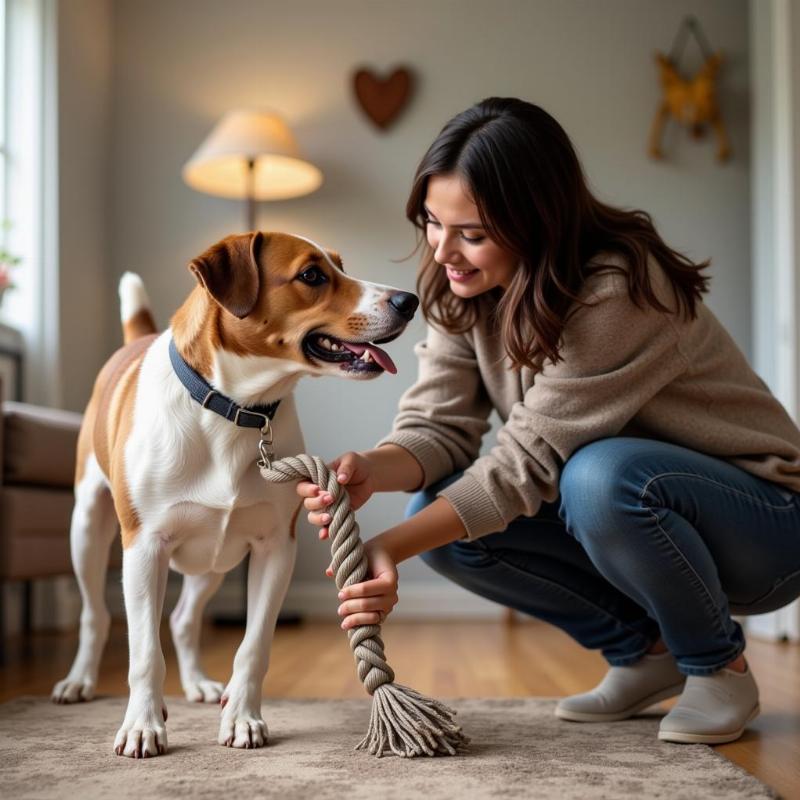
313	276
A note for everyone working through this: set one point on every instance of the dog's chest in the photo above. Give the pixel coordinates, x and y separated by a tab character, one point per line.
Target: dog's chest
210	519
216	540
199	489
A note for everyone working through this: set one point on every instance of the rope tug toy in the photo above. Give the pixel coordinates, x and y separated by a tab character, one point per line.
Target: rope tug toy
403	721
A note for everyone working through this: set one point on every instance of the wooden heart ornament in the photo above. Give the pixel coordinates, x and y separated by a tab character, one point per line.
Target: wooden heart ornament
383	99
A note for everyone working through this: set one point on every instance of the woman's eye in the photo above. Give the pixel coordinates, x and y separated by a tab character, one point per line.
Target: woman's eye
429	221
473	239
312	276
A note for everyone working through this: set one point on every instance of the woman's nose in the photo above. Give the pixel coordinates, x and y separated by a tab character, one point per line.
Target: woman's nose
445	253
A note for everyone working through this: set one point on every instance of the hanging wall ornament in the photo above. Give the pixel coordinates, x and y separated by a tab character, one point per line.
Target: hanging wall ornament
692	102
383	99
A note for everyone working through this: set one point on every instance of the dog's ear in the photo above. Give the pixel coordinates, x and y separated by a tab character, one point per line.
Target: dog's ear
229	272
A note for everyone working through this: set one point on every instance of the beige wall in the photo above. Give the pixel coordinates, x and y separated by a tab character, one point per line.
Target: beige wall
178	65
84	187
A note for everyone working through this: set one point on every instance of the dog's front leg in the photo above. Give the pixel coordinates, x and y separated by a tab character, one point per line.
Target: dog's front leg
268	579
144	581
186	622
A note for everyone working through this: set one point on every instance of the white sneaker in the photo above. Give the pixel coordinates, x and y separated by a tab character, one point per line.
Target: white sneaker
713	709
625	691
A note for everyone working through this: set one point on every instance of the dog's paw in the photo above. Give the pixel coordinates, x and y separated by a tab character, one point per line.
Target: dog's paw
203	690
245	730
73	690
142	734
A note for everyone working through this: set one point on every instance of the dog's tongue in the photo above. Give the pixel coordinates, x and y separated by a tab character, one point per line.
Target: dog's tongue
380	356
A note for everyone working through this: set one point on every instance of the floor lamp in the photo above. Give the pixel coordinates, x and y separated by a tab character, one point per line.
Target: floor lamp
250	156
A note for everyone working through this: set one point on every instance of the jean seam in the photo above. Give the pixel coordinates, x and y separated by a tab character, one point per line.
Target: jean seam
777	584
788	506
493	555
712	605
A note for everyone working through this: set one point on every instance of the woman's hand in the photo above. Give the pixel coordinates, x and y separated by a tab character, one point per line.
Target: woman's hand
353	471
370	602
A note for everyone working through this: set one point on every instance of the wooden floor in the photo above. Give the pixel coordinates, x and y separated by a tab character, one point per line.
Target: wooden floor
443	659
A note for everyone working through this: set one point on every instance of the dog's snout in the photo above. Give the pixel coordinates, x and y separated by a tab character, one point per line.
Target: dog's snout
404	303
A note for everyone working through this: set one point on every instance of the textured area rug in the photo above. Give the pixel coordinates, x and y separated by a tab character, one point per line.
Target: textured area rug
519	749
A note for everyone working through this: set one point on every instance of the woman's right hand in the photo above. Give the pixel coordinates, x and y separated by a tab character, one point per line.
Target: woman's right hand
353	471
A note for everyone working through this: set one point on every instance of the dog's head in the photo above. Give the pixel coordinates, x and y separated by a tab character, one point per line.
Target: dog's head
283	296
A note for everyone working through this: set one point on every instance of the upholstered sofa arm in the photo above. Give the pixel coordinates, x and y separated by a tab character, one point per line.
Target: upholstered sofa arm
39	445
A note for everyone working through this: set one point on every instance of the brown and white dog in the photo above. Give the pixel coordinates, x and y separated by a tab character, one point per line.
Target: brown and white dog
182	478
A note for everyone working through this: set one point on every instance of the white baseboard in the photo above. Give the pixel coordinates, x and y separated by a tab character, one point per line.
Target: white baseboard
780	625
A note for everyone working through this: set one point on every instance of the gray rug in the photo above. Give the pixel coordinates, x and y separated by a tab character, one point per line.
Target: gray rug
519	749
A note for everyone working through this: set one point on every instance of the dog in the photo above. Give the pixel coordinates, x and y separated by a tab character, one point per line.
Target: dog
169	444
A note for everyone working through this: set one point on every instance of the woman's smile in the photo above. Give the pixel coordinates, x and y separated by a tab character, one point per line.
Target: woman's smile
460	275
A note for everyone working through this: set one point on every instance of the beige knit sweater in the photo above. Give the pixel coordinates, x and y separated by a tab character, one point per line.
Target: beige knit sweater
625	371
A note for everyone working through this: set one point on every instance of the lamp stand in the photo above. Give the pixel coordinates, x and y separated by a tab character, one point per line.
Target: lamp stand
251	194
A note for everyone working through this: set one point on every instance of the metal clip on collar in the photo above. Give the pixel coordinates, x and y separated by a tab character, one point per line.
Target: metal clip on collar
265	449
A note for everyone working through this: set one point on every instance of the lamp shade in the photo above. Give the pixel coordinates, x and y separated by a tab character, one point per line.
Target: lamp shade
221	165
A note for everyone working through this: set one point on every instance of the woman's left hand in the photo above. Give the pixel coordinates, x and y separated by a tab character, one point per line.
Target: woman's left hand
370	602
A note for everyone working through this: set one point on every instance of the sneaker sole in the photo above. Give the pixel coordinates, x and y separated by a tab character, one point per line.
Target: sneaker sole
707	738
616	716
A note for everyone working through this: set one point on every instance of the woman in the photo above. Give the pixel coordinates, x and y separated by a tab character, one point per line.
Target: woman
643	486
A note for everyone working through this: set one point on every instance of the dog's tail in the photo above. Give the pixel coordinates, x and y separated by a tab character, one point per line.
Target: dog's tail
137	319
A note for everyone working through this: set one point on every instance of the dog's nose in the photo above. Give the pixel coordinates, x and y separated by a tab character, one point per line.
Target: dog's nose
404	303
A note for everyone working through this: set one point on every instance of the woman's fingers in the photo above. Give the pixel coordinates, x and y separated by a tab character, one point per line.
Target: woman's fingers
324	533
384	603
367	603
364	618
372	588
319	519
344	469
347	467
318	501
307	489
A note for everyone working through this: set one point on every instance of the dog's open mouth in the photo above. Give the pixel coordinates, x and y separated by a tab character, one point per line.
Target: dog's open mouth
351	356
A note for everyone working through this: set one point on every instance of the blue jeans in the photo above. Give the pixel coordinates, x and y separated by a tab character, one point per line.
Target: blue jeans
649	539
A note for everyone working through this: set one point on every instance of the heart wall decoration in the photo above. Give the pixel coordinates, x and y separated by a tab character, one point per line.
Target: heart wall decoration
383	99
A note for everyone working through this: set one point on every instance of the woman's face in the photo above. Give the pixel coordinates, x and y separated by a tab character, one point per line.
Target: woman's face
473	262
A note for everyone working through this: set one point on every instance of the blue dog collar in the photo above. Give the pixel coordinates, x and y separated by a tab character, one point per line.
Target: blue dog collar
201	391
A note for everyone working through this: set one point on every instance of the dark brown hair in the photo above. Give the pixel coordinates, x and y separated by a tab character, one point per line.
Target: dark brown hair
525	178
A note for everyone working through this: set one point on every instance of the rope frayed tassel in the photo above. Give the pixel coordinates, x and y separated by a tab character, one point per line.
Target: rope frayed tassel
403	721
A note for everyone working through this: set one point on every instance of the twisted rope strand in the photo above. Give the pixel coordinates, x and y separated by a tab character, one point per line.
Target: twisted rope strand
402	721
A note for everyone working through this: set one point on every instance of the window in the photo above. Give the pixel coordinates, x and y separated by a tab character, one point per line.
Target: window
28	131
3	150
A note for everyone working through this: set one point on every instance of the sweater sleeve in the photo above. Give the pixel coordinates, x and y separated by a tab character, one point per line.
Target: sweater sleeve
442	418
614	358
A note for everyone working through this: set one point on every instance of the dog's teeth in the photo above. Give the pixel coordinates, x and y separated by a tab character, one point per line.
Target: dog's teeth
367	357
335	347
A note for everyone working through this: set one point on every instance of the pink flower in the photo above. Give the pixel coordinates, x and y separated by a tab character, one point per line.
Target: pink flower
5	277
